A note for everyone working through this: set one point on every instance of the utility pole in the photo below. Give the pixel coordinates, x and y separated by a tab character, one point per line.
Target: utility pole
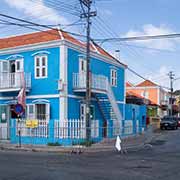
88	14
171	77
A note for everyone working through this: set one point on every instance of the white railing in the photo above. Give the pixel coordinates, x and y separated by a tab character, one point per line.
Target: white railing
98	82
75	129
72	128
164	102
118	121
14	80
40	131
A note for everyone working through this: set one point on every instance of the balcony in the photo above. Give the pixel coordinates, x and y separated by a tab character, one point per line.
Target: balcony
164	102
99	83
10	82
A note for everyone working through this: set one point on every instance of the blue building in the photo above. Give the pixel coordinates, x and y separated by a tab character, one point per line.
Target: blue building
53	64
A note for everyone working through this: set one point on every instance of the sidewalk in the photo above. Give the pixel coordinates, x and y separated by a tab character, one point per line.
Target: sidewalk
128	144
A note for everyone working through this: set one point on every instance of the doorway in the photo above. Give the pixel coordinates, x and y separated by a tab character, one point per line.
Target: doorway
12	73
82	72
104	129
4	122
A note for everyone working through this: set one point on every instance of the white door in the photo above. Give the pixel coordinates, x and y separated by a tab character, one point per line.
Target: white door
82	72
4	74
83	112
92	118
4	122
83	120
19	68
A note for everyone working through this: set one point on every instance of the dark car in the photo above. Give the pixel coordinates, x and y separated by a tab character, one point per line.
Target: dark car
169	122
178	121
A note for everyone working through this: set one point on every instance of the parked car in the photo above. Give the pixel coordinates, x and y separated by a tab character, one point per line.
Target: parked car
169	122
178	120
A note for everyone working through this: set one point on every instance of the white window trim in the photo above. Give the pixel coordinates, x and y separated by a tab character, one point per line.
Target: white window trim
112	78
21	65
34	116
80	65
40	67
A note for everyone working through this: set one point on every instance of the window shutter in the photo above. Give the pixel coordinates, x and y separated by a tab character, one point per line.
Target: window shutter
31	111
19	65
47	112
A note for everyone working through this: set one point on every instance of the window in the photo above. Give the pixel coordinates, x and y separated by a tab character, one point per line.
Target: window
38	111
19	65
30	111
113	77
82	65
41	67
5	66
41	111
145	94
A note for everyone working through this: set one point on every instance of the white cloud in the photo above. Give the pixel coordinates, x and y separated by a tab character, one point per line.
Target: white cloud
160	76
150	30
38	10
107	12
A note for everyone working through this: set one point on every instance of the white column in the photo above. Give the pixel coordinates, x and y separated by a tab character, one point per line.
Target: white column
63	101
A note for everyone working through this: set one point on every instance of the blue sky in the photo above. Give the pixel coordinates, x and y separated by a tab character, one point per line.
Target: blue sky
117	18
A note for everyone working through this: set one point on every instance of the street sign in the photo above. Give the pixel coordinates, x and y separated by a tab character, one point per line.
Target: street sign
18	109
32	123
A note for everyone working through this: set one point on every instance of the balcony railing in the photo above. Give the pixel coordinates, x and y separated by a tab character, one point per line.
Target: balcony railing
164	102
98	82
14	81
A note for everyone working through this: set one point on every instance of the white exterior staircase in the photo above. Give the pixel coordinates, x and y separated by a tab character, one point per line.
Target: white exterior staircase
102	91
109	109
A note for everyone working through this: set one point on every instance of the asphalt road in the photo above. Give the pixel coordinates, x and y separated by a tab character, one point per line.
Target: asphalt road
162	161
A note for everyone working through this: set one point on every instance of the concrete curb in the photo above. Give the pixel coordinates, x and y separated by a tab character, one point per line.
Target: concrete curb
69	149
147	138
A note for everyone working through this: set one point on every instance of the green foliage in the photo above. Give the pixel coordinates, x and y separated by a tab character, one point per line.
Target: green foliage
54	144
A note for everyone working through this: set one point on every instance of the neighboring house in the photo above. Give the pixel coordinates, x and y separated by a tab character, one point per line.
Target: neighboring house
158	97
176	103
54	66
133	98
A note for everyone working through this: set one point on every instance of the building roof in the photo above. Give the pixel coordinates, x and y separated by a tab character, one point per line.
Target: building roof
128	84
130	93
47	36
146	83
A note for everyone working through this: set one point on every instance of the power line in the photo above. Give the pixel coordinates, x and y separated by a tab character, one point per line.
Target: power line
37	25
142	77
61	6
147	48
139	38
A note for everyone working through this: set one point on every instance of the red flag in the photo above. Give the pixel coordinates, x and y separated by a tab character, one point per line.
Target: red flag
22	93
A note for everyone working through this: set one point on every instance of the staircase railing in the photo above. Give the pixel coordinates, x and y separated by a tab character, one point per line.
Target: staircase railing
113	102
117	124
